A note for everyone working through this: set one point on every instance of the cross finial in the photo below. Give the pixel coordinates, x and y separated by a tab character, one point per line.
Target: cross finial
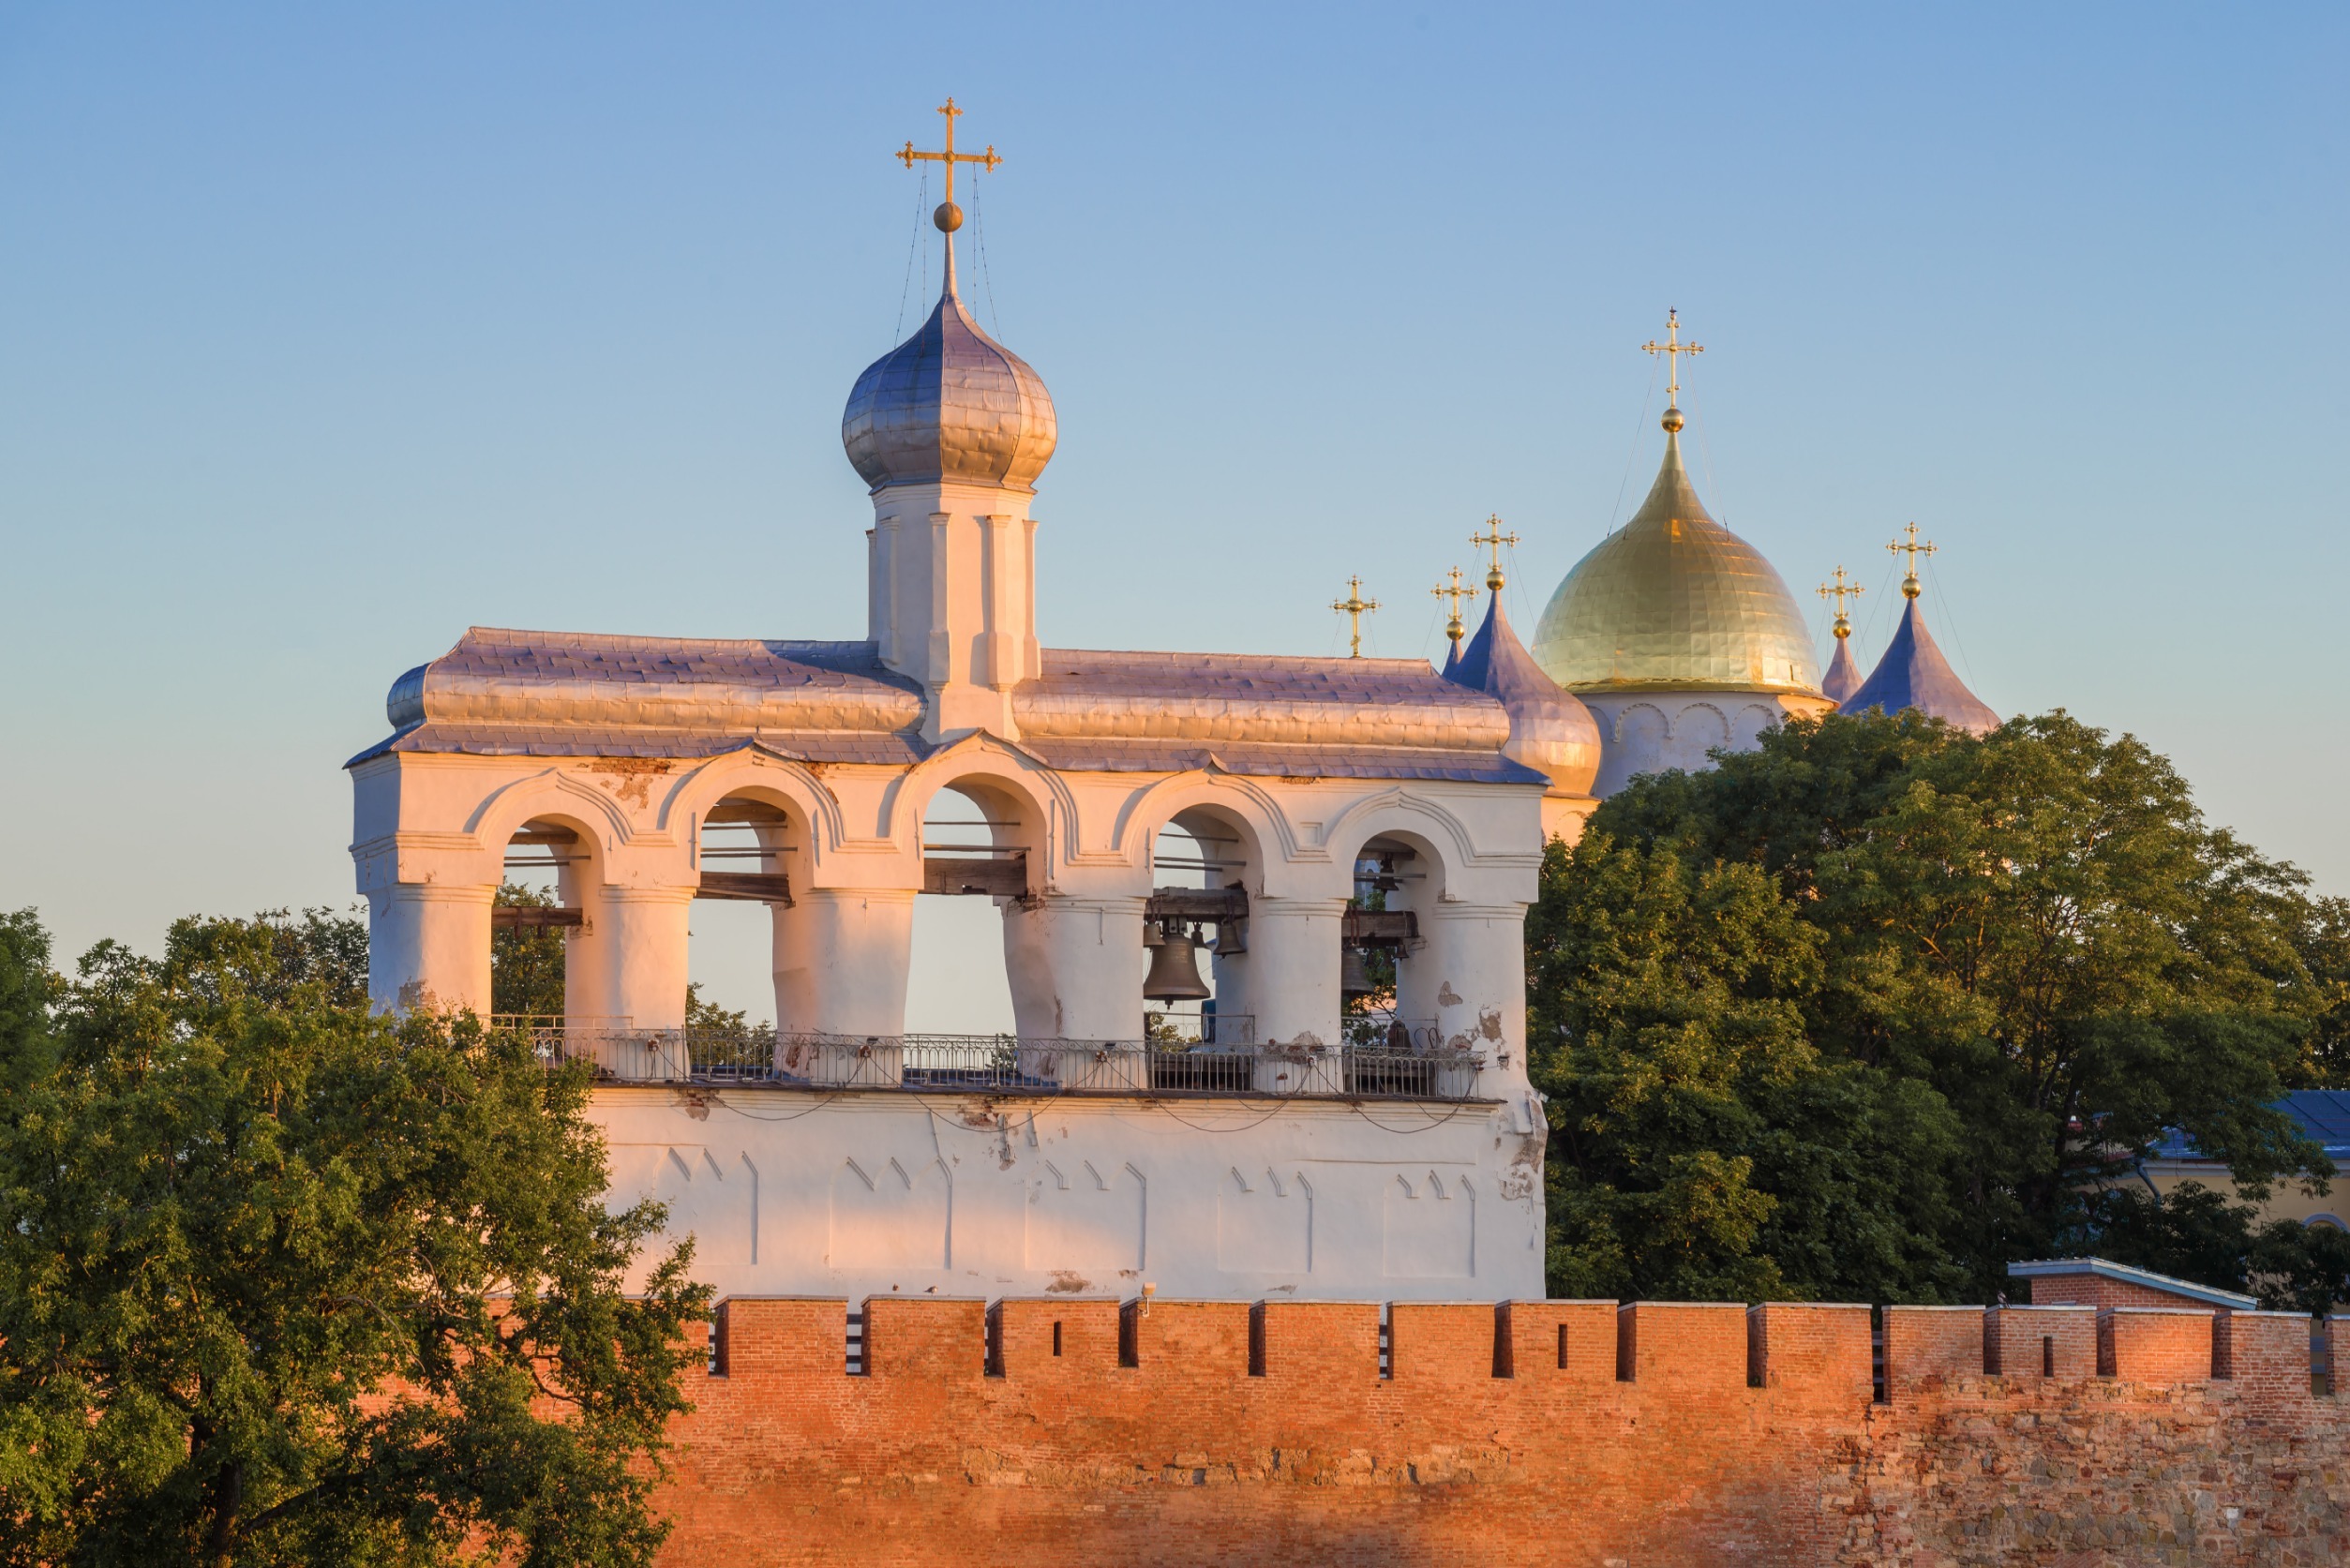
1913	550
1493	539
1454	592
1673	348
1841	588
949	216
1354	606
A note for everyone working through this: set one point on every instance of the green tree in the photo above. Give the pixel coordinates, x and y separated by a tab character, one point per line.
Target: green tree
2194	1232
2036	928
282	1283
1704	1148
28	989
2324	944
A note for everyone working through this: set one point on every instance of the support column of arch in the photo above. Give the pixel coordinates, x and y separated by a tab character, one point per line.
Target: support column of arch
645	944
1293	969
1472	970
1076	966
842	957
587	947
429	947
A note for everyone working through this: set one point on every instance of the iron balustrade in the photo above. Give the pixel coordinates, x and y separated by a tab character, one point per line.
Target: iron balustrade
1401	1065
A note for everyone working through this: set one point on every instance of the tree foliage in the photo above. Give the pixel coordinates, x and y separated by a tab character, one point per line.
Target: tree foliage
284	1283
2194	1232
1931	990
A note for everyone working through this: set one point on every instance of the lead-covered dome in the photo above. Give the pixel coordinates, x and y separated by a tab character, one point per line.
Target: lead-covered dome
949	403
1550	731
1673	599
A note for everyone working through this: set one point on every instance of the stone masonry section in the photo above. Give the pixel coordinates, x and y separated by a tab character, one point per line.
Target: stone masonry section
1089	1431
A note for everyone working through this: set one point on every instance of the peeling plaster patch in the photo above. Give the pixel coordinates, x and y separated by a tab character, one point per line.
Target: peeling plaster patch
1522	1176
630	778
1489	1022
1445	995
694	1103
1067	1283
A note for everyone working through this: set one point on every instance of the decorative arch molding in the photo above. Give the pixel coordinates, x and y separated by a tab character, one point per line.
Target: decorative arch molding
1397	807
1149	809
1689	707
756	767
505	809
1621	730
987	759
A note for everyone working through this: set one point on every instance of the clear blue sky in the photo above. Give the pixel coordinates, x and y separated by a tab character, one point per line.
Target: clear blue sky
327	331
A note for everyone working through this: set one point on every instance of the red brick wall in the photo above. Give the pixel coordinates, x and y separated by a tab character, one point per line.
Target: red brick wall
2090	1290
1735	1438
2041	1342
2161	1344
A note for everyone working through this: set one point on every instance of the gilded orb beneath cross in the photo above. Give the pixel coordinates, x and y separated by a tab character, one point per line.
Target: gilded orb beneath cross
947	216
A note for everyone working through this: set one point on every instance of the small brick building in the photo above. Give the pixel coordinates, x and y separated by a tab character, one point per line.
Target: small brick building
2095	1282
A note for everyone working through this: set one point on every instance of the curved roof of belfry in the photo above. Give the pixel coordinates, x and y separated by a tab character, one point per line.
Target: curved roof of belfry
564	693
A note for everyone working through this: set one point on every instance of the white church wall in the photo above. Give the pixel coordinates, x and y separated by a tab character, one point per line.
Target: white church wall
1650	731
971	1196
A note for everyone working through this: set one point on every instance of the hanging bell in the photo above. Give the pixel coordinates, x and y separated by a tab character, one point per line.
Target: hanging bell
1175	970
1353	974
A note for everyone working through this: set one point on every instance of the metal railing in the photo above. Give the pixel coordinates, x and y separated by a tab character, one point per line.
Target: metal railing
1404	1068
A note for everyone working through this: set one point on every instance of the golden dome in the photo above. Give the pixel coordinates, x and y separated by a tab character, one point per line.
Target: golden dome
1673	599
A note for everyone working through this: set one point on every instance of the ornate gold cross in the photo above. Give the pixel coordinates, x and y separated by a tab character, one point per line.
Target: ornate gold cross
949	216
1913	550
1673	348
1454	592
1840	589
1494	538
1354	606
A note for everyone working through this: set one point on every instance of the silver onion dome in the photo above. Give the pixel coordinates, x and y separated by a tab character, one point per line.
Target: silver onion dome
949	403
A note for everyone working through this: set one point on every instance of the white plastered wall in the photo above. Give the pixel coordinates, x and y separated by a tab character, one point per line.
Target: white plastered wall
1648	732
963	1195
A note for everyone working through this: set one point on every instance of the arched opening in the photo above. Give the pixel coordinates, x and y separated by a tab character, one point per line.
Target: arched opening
545	975
978	840
1387	988
749	851
1203	864
1378	939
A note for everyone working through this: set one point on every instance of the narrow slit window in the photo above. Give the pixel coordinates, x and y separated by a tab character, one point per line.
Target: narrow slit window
1056	1338
1562	1347
2048	1355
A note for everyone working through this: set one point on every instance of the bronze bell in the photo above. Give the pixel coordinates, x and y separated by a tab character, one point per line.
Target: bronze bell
1353	974
1175	969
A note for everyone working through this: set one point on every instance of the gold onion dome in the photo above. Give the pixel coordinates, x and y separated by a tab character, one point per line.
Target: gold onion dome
1675	601
949	403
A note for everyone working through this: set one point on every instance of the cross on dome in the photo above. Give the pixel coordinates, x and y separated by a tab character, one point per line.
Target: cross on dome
1841	588
1354	606
1493	539
1913	550
1454	593
947	216
1673	348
